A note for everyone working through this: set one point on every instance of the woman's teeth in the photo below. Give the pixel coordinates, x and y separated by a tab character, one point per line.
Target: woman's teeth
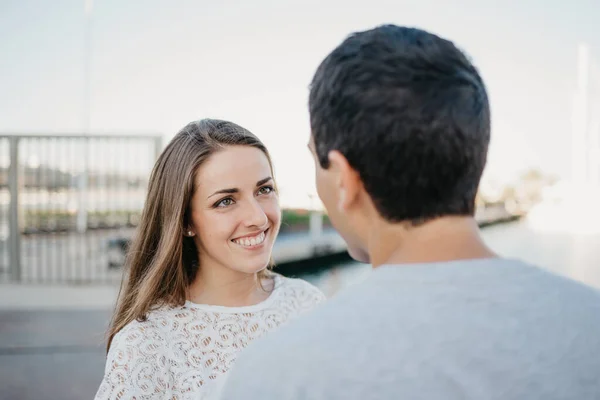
251	241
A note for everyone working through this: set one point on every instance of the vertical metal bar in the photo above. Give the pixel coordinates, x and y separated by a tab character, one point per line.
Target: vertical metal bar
51	167
37	193
157	149
67	254
84	264
93	198
102	265
49	182
63	183
13	211
88	263
5	263
77	242
110	183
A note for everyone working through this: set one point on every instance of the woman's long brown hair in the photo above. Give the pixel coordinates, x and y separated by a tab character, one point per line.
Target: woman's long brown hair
162	262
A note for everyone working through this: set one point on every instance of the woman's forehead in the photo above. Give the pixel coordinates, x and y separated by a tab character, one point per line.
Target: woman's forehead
233	167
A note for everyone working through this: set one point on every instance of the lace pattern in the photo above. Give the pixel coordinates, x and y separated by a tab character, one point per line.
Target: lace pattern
185	352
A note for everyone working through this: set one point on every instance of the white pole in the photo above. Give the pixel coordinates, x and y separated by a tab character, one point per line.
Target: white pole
594	156
89	4
86	103
315	224
580	154
594	122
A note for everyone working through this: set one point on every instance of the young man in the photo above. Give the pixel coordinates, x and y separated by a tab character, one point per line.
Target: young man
400	131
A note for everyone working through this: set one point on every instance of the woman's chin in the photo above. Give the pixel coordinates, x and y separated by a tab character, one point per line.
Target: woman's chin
253	266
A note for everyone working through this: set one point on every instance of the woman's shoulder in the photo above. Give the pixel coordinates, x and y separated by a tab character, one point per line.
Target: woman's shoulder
299	289
154	330
296	283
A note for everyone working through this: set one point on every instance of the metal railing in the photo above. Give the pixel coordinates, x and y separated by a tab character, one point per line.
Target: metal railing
64	198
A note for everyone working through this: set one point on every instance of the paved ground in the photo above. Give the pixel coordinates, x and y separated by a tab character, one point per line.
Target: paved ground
57	297
50	354
52	340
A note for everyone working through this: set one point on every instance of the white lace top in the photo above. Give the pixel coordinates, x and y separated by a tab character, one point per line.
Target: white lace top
185	352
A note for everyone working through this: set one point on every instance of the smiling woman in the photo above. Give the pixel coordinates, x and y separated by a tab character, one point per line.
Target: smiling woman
197	289
234	205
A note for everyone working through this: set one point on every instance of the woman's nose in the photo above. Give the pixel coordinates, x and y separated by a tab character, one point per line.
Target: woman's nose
255	215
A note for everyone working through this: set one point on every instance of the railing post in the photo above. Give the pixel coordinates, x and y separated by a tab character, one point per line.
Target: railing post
315	225
315	230
157	147
14	237
82	186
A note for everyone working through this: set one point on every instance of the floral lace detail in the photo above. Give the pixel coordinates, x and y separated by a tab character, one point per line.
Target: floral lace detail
185	352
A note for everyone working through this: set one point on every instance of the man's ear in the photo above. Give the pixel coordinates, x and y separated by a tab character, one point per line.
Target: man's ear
347	180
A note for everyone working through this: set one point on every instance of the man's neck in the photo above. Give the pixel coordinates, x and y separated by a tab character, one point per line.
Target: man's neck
439	240
225	287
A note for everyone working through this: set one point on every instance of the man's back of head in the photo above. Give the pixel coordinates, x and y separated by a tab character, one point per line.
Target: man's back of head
408	114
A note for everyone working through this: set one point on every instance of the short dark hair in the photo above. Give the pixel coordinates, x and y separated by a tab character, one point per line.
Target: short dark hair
411	114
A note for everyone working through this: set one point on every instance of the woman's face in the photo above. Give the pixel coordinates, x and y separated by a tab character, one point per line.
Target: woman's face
235	213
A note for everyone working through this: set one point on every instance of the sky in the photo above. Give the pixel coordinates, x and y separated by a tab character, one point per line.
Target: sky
157	65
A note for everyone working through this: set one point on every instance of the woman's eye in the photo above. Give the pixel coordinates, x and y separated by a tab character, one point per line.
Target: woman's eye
265	190
225	203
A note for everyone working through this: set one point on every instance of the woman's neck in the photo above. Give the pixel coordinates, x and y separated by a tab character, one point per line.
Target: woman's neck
228	288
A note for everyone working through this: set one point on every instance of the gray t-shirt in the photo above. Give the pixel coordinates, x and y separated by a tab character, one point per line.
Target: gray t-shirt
479	329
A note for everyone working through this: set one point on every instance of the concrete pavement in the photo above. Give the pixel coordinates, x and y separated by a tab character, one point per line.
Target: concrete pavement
52	340
15	296
51	354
